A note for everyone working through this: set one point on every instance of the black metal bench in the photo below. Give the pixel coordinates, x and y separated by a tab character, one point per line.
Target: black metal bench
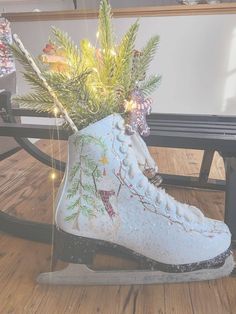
202	132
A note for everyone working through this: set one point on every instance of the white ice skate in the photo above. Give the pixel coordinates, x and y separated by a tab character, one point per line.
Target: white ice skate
106	205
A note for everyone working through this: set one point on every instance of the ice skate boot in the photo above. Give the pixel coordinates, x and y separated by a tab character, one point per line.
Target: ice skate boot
106	205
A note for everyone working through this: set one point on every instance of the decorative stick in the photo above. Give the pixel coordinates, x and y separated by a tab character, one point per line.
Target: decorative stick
57	103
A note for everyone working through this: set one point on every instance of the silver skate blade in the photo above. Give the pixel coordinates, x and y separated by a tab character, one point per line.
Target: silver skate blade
77	274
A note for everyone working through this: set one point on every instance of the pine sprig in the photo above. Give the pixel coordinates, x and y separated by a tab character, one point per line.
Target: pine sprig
144	60
106	40
124	57
41	95
34	82
88	54
105	30
148	52
40	103
150	84
72	52
23	60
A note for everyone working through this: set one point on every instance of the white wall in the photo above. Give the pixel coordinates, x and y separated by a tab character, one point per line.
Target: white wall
197	57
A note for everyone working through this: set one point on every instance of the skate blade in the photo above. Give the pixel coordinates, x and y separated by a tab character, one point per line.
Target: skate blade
79	274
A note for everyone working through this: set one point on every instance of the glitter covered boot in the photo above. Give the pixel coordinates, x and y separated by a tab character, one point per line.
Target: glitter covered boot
107	205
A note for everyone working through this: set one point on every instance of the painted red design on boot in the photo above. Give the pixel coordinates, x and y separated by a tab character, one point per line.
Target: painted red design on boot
105	195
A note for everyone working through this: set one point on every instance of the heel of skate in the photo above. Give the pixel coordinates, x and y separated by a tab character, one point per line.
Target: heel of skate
73	249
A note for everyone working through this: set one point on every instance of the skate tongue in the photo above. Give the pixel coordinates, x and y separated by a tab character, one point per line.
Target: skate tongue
196	211
191	213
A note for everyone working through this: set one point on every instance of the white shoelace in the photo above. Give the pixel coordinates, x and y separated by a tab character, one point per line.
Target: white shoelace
159	195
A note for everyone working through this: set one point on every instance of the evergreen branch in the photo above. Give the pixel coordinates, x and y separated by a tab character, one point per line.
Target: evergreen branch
105	26
127	44
106	39
72	52
20	56
34	82
60	81
87	54
144	60
148	52
149	85
124	57
38	102
45	83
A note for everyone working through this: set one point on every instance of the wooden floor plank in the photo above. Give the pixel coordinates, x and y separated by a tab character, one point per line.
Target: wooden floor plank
177	299
17	281
207	298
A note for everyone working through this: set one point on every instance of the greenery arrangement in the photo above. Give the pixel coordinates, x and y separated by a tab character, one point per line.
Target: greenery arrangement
89	82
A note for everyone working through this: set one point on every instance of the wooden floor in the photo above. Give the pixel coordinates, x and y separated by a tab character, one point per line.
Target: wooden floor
26	190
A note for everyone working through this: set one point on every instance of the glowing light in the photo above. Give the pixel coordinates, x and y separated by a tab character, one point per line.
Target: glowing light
97	35
56	111
53	175
130	105
113	53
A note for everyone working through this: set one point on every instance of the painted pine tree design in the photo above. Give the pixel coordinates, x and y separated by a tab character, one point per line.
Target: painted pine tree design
84	176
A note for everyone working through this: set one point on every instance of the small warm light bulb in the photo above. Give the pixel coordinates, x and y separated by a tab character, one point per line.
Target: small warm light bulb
55	110
53	175
130	105
113	53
